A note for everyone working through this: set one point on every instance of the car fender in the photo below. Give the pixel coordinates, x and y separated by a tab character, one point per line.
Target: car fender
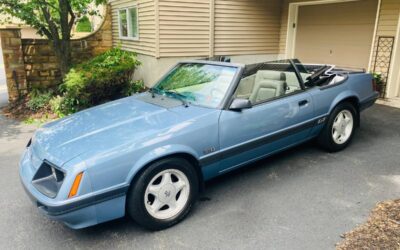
159	153
342	96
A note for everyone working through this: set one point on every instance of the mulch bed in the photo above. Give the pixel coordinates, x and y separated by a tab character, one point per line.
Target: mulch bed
381	231
18	110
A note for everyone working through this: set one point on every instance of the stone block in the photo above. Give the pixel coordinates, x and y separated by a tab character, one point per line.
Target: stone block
55	73
107	44
15	41
53	59
37	66
50	65
10	33
45	51
32	73
43	73
29	50
28	67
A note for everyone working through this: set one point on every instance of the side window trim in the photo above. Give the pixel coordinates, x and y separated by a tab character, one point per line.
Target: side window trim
298	75
129	21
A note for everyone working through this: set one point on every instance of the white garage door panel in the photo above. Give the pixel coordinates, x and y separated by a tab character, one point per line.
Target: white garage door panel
339	33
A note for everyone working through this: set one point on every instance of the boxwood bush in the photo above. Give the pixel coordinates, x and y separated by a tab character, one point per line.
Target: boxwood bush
105	77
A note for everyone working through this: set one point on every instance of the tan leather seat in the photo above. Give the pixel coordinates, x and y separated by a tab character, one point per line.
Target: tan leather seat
268	84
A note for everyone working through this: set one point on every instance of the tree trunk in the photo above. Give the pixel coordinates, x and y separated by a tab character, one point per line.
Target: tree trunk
63	53
62	41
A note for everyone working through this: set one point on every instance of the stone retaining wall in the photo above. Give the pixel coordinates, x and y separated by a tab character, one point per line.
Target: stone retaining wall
34	61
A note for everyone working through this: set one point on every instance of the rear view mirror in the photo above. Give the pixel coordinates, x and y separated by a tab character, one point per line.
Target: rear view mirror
239	104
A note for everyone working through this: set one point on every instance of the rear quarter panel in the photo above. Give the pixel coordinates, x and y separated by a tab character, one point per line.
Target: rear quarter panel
358	85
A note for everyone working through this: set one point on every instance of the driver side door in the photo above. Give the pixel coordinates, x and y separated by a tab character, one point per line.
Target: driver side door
270	125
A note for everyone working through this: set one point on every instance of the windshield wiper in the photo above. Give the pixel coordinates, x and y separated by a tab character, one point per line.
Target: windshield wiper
153	92
179	96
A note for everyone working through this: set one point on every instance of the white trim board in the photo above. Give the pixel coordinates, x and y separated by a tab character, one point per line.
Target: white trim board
393	86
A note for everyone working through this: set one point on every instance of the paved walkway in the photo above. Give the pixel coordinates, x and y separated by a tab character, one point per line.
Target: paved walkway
304	198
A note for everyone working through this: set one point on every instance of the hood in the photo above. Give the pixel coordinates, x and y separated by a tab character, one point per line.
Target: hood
106	126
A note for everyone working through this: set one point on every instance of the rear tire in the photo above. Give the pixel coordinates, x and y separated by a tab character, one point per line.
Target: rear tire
163	194
338	132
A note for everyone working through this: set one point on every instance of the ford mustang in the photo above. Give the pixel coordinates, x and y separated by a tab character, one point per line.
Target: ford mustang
149	155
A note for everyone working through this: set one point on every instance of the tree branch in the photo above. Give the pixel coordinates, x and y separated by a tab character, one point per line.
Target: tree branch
52	26
73	17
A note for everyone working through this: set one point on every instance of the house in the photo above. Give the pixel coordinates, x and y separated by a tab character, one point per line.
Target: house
355	34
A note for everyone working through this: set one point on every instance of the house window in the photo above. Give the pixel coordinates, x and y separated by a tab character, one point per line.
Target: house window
128	23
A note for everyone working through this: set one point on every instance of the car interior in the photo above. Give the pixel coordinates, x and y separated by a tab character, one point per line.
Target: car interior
268	84
262	82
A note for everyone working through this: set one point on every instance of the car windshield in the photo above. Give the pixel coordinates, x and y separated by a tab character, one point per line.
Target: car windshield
197	83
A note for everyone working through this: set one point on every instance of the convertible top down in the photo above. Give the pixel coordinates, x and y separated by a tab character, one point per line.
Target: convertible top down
148	155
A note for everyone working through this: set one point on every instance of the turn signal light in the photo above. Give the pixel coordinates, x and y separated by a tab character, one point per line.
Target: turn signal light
75	185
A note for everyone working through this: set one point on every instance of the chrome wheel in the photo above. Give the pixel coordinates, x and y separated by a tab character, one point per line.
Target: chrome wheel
342	127
167	194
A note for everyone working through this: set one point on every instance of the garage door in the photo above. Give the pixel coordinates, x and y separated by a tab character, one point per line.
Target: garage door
337	33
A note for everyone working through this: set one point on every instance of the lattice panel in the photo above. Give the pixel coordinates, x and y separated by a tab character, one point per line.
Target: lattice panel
383	59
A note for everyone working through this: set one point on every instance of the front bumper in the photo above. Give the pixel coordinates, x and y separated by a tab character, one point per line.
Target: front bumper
80	212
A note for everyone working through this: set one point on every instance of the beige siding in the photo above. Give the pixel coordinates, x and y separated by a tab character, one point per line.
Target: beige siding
184	28
147	32
387	23
188	28
247	27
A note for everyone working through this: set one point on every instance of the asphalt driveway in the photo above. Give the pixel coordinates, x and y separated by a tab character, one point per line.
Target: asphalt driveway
301	199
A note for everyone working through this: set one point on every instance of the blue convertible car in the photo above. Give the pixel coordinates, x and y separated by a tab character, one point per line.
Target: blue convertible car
148	155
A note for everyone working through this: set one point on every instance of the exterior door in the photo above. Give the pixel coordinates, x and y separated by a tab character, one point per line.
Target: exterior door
264	129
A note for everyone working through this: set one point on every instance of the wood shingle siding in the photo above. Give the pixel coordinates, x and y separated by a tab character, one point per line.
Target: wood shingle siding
247	27
146	44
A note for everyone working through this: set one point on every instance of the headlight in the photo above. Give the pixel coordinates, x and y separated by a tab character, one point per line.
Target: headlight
48	179
29	143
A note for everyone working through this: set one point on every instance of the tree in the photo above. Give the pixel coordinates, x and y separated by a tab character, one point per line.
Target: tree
53	19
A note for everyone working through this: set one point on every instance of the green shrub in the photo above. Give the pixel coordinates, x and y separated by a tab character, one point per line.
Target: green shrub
57	106
133	87
38	99
84	25
105	77
378	78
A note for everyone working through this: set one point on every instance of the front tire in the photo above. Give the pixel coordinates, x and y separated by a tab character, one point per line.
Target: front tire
339	130
163	194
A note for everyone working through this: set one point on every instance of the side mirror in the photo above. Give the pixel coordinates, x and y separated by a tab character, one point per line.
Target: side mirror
239	103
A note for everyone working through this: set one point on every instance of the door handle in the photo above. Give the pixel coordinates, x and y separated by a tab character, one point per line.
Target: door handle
303	103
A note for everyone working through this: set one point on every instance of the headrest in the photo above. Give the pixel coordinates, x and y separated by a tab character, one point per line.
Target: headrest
270	75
